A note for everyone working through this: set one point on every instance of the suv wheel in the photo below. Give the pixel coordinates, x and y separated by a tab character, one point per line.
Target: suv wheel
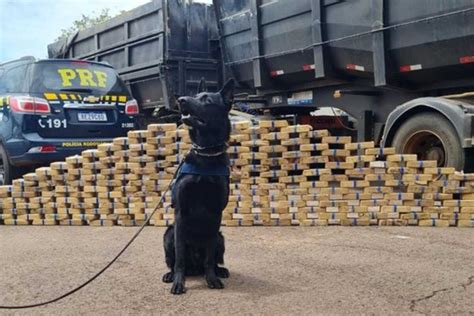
7	171
431	137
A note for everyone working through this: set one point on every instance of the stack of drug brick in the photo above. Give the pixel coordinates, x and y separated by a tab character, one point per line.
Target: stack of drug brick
265	188
311	178
165	148
336	183
18	202
281	175
464	206
116	184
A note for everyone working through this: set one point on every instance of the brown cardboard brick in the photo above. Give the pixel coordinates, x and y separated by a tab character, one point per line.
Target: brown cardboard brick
434	223
339	165
359	146
336	153
333	177
401	158
393	222
296	142
439	171
297	129
318	134
337	139
380	151
466	223
314	159
275	136
273	149
314	222
358	159
161	127
420	164
314	147
295	154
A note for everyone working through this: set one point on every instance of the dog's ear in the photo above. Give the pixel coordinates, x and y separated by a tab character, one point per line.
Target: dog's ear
227	93
202	87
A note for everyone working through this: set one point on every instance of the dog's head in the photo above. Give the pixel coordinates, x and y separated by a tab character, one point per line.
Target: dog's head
207	114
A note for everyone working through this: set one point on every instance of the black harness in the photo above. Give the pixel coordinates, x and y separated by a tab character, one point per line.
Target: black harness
212	169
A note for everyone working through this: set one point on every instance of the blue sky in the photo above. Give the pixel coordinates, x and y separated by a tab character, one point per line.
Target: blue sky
28	26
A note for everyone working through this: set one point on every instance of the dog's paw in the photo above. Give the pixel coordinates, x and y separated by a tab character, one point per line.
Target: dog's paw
178	288
214	283
168	277
222	272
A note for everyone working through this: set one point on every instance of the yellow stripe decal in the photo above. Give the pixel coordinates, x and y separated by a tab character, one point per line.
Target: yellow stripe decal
50	96
114	98
63	96
107	98
1	101
72	96
122	98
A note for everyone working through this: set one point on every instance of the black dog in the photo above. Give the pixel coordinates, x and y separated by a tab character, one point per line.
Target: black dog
194	245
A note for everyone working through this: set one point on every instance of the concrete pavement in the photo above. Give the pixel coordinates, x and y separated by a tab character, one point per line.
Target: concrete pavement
274	271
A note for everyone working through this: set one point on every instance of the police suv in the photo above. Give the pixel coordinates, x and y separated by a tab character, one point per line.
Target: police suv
54	108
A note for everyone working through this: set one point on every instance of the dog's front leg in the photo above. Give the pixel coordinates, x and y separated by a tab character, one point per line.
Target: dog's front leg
213	282
179	264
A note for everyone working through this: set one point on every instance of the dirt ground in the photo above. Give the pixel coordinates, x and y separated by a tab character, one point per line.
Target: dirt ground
274	271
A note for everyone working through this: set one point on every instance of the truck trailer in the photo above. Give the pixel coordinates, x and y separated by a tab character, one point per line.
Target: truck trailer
402	69
161	50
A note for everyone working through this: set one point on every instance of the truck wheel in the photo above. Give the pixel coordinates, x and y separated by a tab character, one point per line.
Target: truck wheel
431	137
7	172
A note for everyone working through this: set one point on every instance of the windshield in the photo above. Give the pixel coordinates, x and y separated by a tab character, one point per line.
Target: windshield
76	77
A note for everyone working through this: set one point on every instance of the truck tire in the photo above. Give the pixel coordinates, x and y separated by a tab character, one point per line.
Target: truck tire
7	172
431	137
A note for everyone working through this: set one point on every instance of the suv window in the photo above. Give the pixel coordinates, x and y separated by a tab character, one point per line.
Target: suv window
75	76
13	80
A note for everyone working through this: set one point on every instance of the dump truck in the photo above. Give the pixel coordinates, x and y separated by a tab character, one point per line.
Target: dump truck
402	69
161	50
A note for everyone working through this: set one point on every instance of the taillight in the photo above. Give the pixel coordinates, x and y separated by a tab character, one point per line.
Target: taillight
131	107
42	149
29	105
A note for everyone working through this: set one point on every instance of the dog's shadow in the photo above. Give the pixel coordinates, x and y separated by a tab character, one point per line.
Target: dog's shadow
240	283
